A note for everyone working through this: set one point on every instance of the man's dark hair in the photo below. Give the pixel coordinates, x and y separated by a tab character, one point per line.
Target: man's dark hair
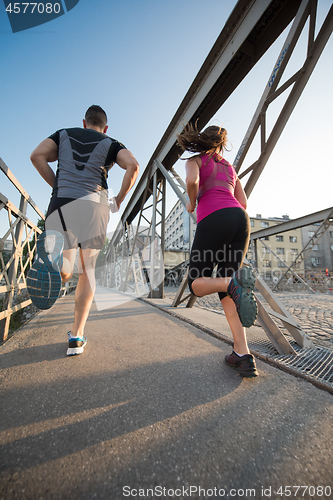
96	116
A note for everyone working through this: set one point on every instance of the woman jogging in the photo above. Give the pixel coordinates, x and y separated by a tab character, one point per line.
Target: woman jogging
221	238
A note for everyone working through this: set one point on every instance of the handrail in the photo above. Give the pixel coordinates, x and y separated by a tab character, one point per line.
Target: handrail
13	267
18	186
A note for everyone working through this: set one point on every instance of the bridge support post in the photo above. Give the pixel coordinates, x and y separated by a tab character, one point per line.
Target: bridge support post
157	240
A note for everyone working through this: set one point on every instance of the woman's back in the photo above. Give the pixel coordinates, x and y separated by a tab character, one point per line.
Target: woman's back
216	187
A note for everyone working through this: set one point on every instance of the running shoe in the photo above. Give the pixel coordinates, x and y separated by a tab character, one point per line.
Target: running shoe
246	364
43	278
75	345
240	289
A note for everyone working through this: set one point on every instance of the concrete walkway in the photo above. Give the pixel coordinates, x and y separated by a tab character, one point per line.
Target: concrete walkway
151	405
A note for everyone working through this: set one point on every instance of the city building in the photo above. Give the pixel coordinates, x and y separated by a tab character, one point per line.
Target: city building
7	246
320	255
178	227
274	254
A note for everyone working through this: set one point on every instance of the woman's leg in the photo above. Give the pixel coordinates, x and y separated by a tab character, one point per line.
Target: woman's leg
222	239
206	286
236	327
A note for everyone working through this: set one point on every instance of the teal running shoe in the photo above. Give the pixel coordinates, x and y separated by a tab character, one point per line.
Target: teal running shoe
240	289
75	345
43	278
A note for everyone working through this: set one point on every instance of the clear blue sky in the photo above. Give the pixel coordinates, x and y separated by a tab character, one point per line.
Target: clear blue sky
137	59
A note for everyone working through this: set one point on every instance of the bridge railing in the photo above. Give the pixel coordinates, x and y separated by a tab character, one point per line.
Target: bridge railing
15	262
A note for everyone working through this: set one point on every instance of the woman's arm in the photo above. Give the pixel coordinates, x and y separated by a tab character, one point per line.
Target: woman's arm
192	182
240	194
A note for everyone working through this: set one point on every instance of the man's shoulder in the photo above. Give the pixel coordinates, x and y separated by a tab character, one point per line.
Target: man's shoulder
84	134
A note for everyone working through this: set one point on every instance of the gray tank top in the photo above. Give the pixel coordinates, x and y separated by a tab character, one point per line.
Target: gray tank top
84	158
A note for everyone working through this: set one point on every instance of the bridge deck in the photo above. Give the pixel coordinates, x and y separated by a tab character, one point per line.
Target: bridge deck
150	403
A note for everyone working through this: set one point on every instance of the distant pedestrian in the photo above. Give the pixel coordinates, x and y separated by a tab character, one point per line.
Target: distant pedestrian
221	238
78	213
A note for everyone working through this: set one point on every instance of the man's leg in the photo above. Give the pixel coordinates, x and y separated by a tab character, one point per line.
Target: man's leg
85	290
68	264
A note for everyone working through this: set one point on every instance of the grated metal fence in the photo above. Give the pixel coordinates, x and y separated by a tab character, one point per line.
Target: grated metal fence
15	262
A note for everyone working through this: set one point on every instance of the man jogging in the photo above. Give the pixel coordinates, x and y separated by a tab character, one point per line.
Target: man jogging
78	213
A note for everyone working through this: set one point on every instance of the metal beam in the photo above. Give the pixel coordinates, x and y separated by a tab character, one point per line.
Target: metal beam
298	87
272	331
252	24
259	117
290	225
176	189
288	321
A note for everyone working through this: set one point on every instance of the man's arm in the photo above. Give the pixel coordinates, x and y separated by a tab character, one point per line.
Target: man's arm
126	160
45	152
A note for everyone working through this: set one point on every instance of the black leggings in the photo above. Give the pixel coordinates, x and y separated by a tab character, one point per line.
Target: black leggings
221	240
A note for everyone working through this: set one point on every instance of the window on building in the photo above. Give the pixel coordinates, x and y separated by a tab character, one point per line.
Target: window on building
281	264
293	239
310	234
315	247
181	239
266	250
279	237
252	223
293	251
265	238
267	263
264	224
280	251
315	261
331	234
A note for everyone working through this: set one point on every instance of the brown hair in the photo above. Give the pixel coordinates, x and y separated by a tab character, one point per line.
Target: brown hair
96	116
212	140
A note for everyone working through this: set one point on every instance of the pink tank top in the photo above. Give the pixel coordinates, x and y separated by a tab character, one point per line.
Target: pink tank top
216	186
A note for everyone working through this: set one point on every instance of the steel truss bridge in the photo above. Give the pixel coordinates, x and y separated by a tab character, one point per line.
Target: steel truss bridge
138	243
137	246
